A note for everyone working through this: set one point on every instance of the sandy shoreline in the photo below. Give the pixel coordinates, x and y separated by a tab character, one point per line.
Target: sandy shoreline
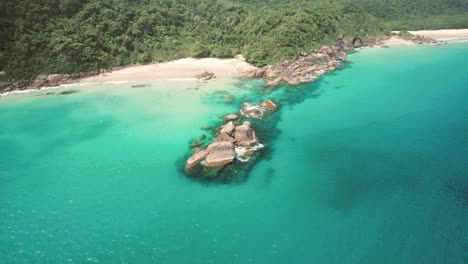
178	70
449	35
445	35
185	70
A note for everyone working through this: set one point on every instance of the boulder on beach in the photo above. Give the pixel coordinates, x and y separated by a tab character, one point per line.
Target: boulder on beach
196	158
205	76
220	154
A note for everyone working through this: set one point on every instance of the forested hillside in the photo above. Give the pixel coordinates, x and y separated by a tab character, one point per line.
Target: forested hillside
50	36
69	36
419	14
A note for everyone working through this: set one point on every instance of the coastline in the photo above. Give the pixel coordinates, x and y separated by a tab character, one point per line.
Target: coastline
181	70
185	70
447	35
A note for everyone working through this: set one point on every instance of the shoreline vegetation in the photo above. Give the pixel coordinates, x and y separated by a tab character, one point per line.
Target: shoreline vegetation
92	36
188	68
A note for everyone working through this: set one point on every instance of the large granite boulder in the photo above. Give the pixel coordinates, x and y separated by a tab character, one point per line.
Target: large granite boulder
245	135
220	154
228	128
196	158
223	137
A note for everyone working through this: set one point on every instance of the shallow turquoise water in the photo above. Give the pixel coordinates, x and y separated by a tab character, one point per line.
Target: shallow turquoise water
366	166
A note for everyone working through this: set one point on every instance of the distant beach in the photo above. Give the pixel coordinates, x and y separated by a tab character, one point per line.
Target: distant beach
447	35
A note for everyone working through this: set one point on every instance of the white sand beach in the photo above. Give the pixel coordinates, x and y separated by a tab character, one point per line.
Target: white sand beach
178	70
397	41
449	35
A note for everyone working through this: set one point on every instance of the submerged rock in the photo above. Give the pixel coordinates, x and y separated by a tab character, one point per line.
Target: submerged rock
229	99
258	111
269	105
220	154
69	92
231	117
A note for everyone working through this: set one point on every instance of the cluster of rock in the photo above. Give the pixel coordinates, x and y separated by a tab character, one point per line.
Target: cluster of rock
43	81
236	140
307	67
205	76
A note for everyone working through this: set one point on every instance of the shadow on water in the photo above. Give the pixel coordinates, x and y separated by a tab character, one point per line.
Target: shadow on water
457	188
351	174
52	128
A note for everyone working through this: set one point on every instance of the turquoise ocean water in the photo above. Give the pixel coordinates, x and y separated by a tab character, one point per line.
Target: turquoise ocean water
368	165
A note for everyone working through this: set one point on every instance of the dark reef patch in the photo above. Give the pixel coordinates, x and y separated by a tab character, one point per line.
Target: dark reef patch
67	92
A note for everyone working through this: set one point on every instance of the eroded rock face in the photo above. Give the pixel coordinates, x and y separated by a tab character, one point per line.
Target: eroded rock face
196	158
220	154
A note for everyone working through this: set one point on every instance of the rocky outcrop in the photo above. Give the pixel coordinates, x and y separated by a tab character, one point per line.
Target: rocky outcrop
307	67
41	81
234	141
205	76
